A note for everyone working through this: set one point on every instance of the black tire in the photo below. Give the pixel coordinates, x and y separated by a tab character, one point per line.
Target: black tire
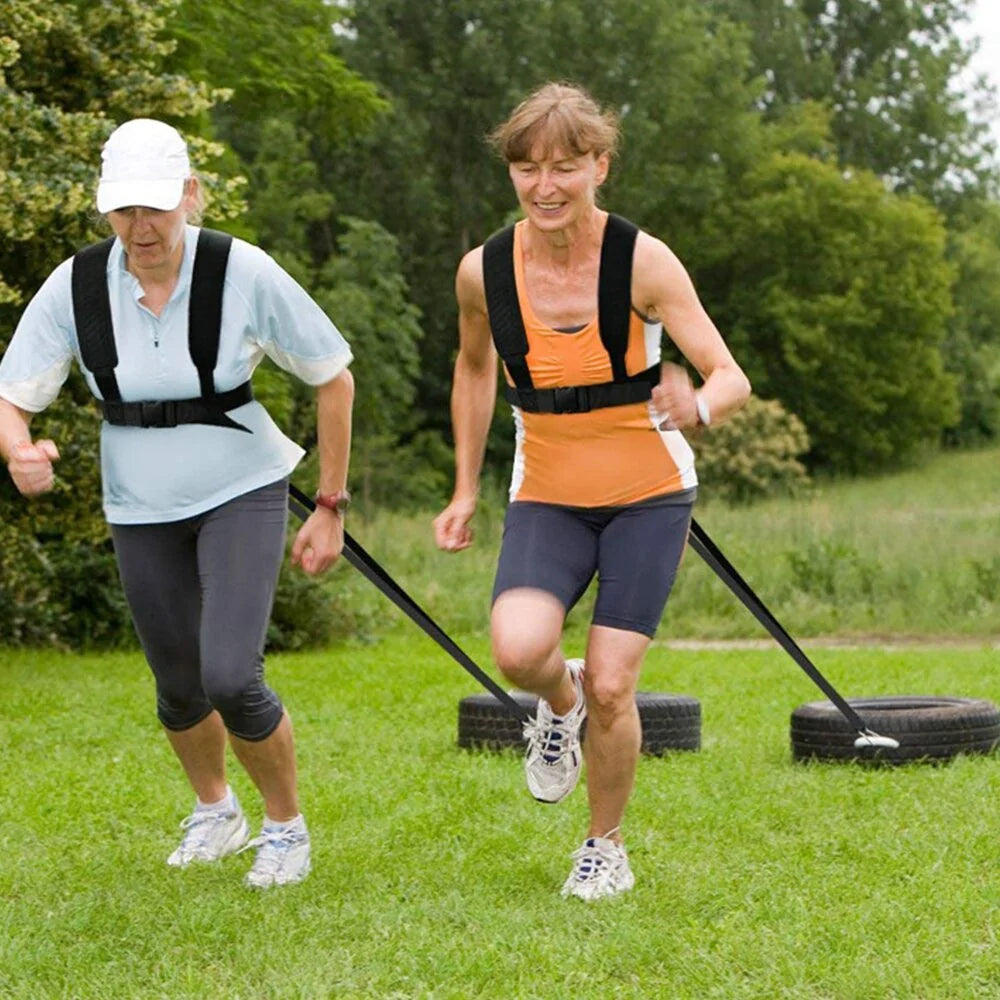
928	728
669	722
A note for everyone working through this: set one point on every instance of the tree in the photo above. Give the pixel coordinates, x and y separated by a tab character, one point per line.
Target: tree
888	71
839	296
972	347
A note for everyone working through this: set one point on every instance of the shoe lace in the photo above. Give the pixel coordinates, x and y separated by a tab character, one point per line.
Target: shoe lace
594	861
553	738
198	828
273	846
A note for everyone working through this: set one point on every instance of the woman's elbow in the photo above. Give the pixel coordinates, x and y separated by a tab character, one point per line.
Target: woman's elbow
746	389
341	386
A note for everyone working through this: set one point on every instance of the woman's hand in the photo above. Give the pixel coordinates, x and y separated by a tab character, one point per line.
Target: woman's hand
451	527
30	466
319	542
674	399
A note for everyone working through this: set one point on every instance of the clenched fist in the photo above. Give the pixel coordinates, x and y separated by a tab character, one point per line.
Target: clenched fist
30	466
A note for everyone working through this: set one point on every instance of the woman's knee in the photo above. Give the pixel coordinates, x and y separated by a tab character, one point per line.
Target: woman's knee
178	712
519	656
519	661
526	629
250	710
609	697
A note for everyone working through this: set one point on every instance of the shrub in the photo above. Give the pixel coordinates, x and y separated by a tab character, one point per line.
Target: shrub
754	454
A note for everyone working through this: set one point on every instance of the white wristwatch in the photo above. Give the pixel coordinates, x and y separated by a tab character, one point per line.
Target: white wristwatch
704	413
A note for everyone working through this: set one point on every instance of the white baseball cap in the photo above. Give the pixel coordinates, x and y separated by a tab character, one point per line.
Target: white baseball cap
144	162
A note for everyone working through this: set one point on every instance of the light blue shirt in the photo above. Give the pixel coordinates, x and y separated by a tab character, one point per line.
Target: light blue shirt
158	474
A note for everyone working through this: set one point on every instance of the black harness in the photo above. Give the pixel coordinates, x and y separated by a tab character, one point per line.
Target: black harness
614	312
96	335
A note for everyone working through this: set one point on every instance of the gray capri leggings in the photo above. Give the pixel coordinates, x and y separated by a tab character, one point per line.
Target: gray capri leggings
635	552
200	592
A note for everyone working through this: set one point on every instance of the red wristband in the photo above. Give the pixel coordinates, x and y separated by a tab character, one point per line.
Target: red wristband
338	502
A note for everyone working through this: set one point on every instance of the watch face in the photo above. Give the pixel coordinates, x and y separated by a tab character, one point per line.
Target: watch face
338	501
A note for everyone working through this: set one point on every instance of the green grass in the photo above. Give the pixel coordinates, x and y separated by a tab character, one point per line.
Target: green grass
436	876
915	553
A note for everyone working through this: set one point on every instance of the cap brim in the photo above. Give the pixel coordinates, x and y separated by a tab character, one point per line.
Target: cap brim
163	195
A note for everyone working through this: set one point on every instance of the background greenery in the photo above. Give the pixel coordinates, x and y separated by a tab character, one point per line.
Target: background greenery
823	168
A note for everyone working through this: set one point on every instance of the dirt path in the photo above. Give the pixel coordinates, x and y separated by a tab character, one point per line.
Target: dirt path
843	642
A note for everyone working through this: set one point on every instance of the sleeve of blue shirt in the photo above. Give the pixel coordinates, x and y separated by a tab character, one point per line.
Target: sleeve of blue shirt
293	330
41	351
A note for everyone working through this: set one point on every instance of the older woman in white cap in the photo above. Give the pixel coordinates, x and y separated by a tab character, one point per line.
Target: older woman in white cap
168	322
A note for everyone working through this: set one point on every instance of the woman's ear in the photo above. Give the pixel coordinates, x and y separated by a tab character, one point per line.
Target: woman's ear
603	167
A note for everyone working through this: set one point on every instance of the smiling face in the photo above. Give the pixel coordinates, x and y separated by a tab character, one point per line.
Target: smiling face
556	189
153	238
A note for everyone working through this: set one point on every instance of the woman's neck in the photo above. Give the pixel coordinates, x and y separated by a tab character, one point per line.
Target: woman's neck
563	247
158	283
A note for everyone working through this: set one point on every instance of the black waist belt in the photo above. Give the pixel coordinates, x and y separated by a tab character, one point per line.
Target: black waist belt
583	398
171	412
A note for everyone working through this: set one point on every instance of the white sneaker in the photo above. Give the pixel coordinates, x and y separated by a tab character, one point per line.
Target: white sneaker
600	868
211	834
282	856
553	758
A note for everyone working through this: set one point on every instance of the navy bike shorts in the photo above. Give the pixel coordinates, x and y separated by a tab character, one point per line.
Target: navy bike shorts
634	550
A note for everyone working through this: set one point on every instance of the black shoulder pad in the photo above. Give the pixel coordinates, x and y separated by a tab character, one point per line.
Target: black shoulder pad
504	311
614	292
92	315
205	306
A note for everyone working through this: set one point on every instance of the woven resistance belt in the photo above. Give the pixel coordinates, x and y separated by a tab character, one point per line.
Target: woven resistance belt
171	412
95	332
614	308
584	398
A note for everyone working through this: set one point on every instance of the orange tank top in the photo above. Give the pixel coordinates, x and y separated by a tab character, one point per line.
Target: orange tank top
607	457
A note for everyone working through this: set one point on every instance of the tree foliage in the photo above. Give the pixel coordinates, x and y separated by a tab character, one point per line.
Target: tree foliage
839	296
889	72
972	347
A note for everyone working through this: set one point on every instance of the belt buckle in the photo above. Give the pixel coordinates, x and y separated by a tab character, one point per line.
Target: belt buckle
151	414
114	412
565	399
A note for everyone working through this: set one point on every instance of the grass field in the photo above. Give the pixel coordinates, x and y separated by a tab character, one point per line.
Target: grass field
436	876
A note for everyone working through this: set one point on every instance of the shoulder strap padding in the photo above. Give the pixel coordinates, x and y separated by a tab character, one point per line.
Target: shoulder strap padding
614	291
92	314
503	308
208	282
614	298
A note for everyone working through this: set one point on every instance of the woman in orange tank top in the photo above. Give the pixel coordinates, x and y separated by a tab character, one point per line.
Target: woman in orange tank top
603	479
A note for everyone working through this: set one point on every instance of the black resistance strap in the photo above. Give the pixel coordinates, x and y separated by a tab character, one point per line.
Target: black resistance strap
302	506
726	572
95	332
614	309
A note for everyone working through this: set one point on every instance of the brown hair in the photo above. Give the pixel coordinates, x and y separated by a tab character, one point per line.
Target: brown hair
560	116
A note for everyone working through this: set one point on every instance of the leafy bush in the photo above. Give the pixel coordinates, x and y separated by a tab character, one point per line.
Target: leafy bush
754	454
65	595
